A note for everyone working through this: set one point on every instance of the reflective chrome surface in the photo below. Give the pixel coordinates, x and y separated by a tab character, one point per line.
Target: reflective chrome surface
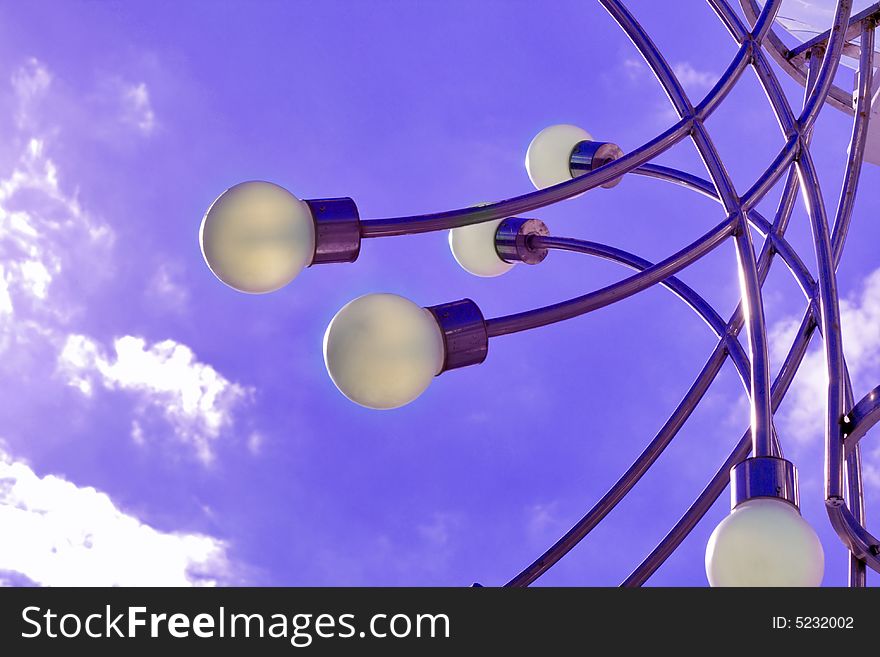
337	230
763	476
464	333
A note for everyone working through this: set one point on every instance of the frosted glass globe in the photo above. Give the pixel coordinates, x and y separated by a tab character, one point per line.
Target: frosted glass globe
764	542
473	247
256	237
382	350
548	158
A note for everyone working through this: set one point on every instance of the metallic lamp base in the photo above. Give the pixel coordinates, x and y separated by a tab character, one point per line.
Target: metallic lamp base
464	333
590	155
512	243
763	476
337	230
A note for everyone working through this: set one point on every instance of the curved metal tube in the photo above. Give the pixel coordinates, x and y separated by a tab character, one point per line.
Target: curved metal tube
558	312
728	345
861	419
847	199
830	321
789	256
531	201
855	497
837	97
698	389
693	515
774	242
687	294
632	475
830	62
751	289
719	482
721	479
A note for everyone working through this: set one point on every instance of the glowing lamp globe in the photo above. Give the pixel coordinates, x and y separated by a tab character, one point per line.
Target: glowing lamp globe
257	237
764	542
548	158
473	247
382	351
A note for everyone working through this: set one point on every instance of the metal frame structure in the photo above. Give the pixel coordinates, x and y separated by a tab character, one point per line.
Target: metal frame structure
756	465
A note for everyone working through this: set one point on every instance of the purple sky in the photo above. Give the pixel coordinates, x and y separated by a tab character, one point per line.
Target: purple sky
159	427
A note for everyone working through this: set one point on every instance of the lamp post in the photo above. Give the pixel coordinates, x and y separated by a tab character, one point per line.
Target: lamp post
382	351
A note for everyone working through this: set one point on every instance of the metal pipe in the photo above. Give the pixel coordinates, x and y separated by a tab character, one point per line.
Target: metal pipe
722	478
558	312
632	475
780	223
830	62
837	97
789	256
847	199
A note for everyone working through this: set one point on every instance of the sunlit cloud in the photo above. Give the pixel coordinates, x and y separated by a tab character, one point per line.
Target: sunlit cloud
802	411
166	379
59	534
137	110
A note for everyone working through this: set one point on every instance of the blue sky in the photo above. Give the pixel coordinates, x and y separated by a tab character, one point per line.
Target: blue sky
161	428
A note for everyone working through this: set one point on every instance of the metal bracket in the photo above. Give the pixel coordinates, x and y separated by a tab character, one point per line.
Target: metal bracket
337	230
590	155
860	419
512	240
465	337
763	476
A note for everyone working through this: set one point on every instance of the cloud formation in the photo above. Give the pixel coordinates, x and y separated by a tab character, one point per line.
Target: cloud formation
58	534
137	110
195	400
802	410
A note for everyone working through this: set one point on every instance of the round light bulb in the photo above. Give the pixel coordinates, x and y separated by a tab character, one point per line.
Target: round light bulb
382	350
473	247
256	237
764	542
548	158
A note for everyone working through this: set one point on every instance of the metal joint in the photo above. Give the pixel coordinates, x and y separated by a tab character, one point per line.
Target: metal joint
763	476
465	338
512	240
337	230
590	155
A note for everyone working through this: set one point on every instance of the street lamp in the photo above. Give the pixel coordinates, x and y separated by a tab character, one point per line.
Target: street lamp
382	350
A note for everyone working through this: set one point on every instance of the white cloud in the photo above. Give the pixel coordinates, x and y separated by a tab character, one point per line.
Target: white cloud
542	520
58	534
137	110
634	68
166	290
255	443
802	411
55	256
694	79
29	83
165	377
44	233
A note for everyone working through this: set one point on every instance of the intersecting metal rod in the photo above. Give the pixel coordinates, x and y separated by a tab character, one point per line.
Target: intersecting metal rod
721	480
532	200
759	391
668	431
843	217
728	345
789	256
838	98
558	312
833	50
